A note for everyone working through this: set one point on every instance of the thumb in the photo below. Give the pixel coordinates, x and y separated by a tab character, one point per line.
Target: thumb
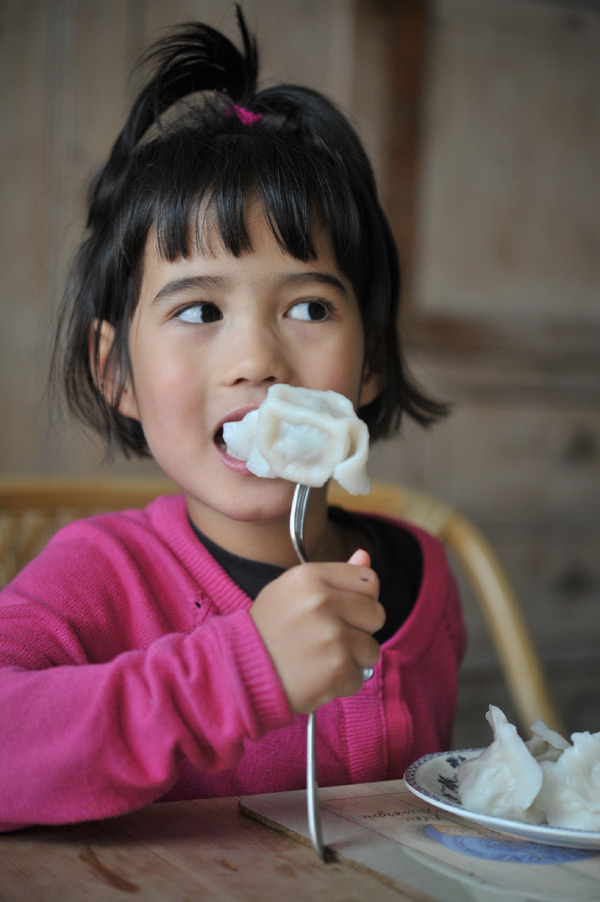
361	558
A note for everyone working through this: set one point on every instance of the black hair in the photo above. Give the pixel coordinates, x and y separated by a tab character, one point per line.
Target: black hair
184	150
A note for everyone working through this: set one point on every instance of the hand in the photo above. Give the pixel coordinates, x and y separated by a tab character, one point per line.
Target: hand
316	621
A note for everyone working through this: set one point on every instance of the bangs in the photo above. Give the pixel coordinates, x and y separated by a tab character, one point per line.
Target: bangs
205	187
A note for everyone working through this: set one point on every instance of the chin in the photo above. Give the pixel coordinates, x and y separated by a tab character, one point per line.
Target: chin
258	500
264	508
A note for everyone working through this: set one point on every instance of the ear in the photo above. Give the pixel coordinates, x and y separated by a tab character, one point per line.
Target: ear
103	368
371	386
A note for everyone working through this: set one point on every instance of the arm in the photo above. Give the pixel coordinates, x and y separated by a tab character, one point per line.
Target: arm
89	728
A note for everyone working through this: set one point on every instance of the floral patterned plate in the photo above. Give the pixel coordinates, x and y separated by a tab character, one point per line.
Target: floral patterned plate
433	778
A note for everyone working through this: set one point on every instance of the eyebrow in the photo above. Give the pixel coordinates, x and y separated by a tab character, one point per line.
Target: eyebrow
189	282
176	286
321	278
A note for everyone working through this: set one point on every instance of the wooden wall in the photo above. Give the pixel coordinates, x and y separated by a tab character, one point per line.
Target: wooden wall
483	120
505	315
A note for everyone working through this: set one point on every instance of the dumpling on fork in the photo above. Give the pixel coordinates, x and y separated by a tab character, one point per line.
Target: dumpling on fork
305	436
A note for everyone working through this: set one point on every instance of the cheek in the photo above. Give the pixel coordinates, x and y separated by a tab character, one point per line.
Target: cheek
344	369
340	377
163	387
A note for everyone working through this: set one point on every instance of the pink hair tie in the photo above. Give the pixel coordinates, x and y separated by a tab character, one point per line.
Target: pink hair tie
245	116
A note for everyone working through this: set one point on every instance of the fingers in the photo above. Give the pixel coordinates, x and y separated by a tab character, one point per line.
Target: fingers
343	665
344	645
316	621
359	612
357	578
361	558
351	593
338	592
365	652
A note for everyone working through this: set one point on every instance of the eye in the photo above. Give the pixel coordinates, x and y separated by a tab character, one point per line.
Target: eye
311	311
202	312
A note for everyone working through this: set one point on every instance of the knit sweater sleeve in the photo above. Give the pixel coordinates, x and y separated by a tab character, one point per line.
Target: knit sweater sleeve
103	690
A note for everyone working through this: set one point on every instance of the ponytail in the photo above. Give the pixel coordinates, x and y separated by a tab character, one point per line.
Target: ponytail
192	58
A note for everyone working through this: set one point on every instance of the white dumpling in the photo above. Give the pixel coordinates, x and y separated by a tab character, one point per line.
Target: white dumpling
546	744
305	436
570	793
504	780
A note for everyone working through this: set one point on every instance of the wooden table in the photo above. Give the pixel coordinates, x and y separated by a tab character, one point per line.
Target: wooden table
176	851
389	846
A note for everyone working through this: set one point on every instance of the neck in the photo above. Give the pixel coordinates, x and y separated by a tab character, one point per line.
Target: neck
269	541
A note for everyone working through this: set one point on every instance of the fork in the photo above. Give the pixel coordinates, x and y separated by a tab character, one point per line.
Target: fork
297	518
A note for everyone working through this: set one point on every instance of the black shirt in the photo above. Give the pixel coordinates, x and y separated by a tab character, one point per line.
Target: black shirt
395	557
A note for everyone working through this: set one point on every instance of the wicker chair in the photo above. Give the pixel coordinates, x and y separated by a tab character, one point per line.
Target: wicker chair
32	510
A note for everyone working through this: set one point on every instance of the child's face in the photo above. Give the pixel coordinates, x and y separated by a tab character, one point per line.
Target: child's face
210	335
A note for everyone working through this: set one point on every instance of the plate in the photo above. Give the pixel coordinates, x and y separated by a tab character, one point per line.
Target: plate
433	778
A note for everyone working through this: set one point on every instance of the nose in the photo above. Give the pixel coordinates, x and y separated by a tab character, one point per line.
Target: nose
256	356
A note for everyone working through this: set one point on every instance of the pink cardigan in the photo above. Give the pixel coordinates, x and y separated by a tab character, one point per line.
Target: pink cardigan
132	672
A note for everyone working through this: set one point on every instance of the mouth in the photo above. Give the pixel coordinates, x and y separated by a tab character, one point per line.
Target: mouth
233	463
233	417
219	440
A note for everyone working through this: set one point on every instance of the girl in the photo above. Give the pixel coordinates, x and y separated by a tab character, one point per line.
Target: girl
234	240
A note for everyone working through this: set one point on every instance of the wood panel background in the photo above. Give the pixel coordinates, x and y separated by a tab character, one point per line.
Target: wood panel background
483	120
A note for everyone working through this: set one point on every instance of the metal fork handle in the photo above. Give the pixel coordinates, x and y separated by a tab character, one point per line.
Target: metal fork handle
297	518
312	789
